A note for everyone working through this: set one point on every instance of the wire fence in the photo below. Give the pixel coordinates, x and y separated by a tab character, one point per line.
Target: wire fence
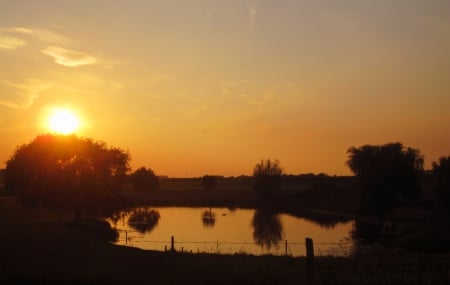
284	247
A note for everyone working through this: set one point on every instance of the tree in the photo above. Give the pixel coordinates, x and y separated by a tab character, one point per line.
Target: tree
388	174
267	177
58	171
209	182
441	173
144	179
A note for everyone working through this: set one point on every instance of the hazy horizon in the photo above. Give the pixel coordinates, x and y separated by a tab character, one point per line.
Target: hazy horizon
212	87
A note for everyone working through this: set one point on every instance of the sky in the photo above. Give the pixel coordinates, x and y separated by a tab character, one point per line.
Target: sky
212	87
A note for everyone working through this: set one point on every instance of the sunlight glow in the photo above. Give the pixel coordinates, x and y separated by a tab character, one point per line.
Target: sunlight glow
63	121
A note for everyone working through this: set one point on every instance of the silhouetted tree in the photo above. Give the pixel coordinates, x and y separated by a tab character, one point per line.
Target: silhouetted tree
441	173
144	179
144	220
267	228
388	174
59	171
209	182
2	176
267	177
208	218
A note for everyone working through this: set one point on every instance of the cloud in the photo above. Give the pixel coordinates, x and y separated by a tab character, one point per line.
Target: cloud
198	105
190	98
9	39
128	119
11	43
153	96
251	15
15	30
12	38
50	37
198	109
67	57
26	93
21	30
43	35
253	101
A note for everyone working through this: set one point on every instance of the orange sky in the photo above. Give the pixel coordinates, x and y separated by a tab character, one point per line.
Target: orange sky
212	87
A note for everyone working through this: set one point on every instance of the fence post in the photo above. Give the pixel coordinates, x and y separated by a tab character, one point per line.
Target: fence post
126	237
309	259
172	244
285	248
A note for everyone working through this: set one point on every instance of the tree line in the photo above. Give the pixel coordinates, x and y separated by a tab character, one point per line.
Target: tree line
60	171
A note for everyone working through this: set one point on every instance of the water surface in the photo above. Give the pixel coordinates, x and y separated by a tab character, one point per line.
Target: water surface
223	230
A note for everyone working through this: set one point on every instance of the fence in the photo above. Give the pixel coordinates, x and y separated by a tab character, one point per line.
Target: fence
291	248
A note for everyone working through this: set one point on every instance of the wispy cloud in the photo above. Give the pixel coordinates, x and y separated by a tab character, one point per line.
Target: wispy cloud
25	94
198	106
191	98
67	57
157	77
51	37
251	16
12	38
44	35
15	30
225	90
253	101
209	16
153	96
11	43
198	109
21	30
128	119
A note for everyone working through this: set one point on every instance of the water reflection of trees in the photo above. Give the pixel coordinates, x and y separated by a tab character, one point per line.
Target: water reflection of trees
143	220
208	218
116	216
267	228
326	221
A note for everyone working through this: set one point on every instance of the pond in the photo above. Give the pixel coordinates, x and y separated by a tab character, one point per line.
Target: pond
228	231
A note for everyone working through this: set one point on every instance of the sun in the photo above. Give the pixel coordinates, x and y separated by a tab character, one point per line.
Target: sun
63	121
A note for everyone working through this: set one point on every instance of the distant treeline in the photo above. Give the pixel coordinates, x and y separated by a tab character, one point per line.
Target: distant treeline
286	178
